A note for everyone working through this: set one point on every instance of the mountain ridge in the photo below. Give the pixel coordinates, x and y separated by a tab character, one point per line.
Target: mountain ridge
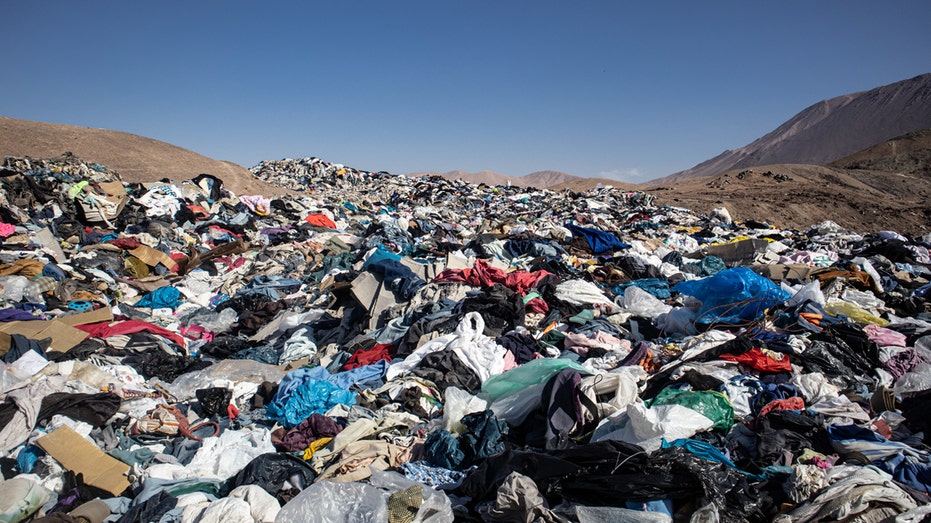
830	129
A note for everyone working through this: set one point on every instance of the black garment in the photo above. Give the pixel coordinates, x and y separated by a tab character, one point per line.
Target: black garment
223	346
785	431
213	400
20	345
485	437
500	307
151	509
270	472
94	409
445	369
441	325
167	367
563	409
523	346
917	412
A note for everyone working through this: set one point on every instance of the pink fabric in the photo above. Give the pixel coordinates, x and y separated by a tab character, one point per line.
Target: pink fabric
884	337
105	330
484	275
7	230
581	344
793	403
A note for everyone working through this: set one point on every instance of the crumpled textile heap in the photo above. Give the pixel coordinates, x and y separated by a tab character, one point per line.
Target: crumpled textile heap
373	347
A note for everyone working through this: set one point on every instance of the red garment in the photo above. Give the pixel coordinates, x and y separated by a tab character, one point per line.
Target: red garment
537	305
766	362
105	330
484	275
793	403
320	220
361	358
126	243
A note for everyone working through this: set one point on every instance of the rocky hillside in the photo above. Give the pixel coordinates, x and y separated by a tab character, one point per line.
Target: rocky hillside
907	154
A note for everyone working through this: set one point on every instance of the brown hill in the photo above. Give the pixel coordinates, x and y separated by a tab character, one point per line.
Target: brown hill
584	184
135	158
486	177
538	179
546	179
907	154
831	129
795	196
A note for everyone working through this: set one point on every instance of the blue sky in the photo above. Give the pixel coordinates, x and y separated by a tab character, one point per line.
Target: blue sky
614	89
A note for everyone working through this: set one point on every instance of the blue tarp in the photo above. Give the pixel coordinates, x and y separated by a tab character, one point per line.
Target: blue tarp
733	296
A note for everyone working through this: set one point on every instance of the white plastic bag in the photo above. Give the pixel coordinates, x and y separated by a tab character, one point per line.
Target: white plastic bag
334	502
436	507
647	427
641	303
458	404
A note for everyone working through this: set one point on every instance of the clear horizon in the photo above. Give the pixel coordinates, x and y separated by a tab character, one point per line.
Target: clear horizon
628	92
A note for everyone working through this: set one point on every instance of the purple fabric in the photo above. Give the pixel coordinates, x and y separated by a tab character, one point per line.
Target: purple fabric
16	315
311	429
902	362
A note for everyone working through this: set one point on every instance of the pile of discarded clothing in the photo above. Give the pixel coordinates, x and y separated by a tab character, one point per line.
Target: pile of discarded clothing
386	348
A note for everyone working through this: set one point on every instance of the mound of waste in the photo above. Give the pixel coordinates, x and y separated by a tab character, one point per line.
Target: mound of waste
384	348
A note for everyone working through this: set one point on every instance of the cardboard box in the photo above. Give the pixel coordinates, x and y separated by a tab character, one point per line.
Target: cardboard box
83	457
61	330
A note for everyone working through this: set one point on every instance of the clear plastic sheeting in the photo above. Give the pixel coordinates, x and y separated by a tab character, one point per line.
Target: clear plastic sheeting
333	502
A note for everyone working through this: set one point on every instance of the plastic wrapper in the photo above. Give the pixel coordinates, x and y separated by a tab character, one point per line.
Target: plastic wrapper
13	287
647	427
641	303
713	405
531	373
436	507
516	406
854	313
333	502
214	400
458	404
915	381
235	371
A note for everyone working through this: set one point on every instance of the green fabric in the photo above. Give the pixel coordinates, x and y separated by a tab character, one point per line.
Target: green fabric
713	405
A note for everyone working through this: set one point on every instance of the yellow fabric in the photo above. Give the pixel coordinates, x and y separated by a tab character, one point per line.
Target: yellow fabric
315	446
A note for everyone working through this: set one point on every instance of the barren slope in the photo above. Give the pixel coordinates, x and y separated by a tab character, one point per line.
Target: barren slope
136	158
795	196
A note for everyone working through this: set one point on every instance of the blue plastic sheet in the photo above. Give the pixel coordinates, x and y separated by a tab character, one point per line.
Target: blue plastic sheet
733	296
310	397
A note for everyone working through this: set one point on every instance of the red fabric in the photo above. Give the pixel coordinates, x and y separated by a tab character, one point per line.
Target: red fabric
105	330
484	275
320	220
537	305
361	358
126	243
793	403
755	358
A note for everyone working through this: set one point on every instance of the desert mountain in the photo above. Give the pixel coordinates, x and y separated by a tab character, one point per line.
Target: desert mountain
831	129
136	158
538	179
